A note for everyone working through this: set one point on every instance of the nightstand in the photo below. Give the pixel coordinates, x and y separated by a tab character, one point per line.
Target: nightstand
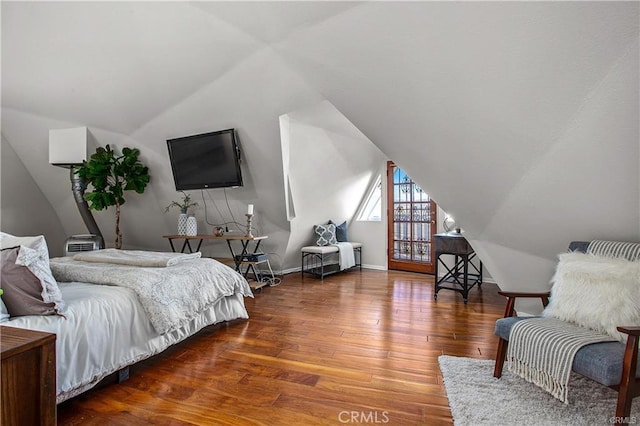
28	382
460	277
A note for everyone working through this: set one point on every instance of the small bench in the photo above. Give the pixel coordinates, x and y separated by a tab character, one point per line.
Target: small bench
314	259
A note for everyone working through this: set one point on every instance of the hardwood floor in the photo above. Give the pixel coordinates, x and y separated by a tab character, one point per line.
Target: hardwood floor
358	348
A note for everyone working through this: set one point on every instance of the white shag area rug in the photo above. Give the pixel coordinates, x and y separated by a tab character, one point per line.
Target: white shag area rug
477	398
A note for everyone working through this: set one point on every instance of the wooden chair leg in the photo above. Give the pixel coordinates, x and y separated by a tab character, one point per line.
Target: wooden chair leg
628	383
500	357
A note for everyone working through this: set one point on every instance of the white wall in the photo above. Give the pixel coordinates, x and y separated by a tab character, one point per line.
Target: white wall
25	210
331	165
232	101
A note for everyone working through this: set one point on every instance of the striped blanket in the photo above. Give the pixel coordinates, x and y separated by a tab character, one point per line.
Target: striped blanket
541	351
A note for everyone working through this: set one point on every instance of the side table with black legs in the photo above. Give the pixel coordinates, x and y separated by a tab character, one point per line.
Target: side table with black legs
467	270
248	256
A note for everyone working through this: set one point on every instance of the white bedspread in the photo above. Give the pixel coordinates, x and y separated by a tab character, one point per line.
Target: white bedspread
347	258
105	329
170	296
143	258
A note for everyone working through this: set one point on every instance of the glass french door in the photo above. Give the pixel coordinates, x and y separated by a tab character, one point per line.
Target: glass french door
412	223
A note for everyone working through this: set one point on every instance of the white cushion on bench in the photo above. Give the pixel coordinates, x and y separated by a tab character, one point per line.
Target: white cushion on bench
326	249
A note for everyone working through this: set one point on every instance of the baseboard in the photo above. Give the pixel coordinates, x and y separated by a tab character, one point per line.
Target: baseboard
290	270
526	314
297	269
376	267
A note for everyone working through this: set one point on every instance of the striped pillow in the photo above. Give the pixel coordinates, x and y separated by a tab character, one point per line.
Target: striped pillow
615	249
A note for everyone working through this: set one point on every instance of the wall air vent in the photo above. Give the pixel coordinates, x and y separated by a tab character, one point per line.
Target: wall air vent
79	243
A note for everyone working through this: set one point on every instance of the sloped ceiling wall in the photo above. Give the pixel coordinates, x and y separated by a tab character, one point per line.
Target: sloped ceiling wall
42	219
331	166
519	118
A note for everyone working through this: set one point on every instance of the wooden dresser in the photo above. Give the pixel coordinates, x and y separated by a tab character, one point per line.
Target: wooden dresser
28	377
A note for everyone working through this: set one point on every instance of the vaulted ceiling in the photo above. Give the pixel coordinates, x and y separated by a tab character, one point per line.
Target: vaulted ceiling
118	65
520	118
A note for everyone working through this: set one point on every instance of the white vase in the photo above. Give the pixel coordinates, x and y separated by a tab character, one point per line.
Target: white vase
192	225
182	224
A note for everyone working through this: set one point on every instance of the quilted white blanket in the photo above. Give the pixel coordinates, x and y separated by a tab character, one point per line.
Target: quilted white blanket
171	295
135	257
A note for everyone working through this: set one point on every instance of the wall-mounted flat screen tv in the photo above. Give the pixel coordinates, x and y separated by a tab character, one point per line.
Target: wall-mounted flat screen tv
209	160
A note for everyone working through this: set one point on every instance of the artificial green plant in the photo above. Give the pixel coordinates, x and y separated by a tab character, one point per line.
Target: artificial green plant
183	205
111	175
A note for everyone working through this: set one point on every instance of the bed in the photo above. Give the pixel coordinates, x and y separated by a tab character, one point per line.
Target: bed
110	321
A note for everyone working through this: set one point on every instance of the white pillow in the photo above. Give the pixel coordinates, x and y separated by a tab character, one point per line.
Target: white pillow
4	313
596	292
34	254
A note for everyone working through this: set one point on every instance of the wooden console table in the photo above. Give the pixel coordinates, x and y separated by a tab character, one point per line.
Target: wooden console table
239	259
458	278
28	379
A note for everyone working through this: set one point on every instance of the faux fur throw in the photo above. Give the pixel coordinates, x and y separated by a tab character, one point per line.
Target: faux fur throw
154	259
171	295
541	351
596	292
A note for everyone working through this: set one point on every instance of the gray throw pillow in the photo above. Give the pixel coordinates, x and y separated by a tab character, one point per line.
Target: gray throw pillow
325	234
341	232
22	289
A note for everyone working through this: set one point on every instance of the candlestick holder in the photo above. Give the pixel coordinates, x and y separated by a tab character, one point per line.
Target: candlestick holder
249	218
